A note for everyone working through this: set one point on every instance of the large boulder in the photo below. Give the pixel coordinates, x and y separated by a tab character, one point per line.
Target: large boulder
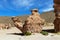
34	22
18	23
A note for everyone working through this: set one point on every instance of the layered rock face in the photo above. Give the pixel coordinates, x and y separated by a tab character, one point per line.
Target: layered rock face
57	15
33	24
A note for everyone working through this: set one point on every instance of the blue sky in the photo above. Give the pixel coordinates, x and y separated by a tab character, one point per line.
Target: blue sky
23	7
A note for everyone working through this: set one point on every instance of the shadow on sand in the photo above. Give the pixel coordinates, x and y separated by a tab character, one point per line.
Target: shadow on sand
21	34
50	31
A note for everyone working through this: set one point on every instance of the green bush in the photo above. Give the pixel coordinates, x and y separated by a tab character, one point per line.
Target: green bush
44	33
27	33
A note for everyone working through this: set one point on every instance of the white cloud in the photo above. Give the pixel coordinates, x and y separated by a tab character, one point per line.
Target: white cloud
26	4
22	3
47	6
48	9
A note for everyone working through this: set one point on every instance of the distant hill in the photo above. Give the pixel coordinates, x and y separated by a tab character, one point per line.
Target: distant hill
48	16
5	19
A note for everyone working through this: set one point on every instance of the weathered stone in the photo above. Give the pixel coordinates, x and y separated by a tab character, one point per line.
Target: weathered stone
33	24
57	15
5	26
57	25
17	23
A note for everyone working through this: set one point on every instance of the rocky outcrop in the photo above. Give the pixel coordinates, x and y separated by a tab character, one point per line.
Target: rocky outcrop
33	23
17	23
57	15
57	25
5	26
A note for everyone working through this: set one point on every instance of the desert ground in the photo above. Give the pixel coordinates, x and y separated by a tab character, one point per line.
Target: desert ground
15	34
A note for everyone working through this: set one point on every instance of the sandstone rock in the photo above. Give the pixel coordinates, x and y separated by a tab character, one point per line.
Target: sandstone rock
17	23
57	15
34	22
5	26
57	25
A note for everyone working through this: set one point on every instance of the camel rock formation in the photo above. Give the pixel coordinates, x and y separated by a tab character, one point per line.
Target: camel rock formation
33	23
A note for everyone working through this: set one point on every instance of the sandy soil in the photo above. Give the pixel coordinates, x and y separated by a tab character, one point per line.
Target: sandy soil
14	34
